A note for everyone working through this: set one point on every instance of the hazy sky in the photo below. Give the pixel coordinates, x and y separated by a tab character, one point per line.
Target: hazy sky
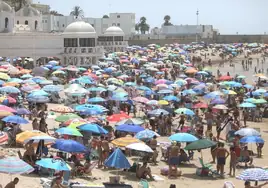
229	16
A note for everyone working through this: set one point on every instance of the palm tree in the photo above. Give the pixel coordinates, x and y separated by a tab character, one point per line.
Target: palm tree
105	16
17	4
77	12
167	19
137	27
54	12
143	26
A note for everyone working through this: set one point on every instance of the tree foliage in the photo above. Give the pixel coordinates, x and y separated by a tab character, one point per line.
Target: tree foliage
77	12
142	26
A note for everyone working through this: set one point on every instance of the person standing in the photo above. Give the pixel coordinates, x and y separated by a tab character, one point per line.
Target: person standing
221	154
13	183
233	160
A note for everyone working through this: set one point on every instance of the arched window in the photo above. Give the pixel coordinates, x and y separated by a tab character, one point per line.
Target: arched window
26	22
35	24
6	22
18	22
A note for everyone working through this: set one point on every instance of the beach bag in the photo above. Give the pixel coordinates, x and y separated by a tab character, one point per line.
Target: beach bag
202	171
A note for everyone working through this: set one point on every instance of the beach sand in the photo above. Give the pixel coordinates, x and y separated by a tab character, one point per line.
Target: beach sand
188	178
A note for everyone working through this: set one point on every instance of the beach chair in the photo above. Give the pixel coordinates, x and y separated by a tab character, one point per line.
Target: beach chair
143	184
206	169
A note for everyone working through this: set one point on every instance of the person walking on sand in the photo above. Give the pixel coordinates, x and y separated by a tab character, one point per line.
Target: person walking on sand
233	161
221	154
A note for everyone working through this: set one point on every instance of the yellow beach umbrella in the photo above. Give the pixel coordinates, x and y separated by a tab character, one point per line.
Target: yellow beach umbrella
62	109
5	114
124	141
191	71
4	76
163	102
21	137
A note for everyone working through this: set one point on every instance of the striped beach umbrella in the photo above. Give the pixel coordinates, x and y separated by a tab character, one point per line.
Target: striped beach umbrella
13	165
3	137
254	174
62	109
124	141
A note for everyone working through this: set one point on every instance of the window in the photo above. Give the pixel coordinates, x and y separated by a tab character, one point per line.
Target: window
118	25
70	42
58	24
87	42
63	25
118	38
35	24
203	28
118	16
45	21
18	22
92	25
6	22
26	22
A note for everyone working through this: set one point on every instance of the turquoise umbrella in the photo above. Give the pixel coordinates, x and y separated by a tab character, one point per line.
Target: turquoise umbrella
247	105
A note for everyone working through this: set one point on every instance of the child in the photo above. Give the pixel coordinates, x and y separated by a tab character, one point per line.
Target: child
233	160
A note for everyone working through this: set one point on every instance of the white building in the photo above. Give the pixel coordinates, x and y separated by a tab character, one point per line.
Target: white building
203	31
126	21
79	44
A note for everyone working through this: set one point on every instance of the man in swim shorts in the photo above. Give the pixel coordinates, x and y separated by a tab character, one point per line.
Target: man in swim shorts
222	155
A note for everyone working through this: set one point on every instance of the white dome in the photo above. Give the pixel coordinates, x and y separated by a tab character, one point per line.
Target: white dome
114	31
79	28
5	7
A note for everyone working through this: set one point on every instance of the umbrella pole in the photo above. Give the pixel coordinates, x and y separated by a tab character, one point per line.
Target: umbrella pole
256	183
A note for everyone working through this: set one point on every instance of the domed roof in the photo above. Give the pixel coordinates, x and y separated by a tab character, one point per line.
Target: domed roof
79	28
114	31
5	7
28	11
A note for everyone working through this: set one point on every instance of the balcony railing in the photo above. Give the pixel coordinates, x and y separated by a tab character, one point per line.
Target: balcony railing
78	50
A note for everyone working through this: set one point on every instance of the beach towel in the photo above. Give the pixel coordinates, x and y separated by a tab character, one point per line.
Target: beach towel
157	178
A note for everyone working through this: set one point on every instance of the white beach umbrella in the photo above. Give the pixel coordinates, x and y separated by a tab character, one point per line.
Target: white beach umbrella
140	147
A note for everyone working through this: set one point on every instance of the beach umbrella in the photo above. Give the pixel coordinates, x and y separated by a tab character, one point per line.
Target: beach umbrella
68	131
181	82
213	95
15	80
91	112
85	107
140	99
247	105
203	73
96	100
66	117
183	137
38	99
69	146
4	76
5	113
74	122
200	144
248	86
124	141
6	108
3	137
52	88
185	111
220	107
229	92
152	102
15	119
133	121
117	160
130	84
58	72
117	117
38	93
146	135
62	109
251	139
92	127
140	147
223	78
96	89
218	101
9	89
254	174
14	165
261	90
23	111
163	102
251	100
200	105
158	112
144	88
75	90
129	128
26	135
165	91
247	132
171	98
260	101
36	139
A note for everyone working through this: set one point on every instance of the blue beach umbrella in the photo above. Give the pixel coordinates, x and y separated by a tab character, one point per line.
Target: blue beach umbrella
251	139
213	95
185	111
91	112
218	101
247	132
85	107
146	134
158	112
254	174
188	92
171	98
9	89
13	165
183	137
117	160
100	89
133	121
38	93
144	88
25	76
15	119
70	146
38	99
53	88
165	91
96	100
23	111
129	128
92	127
247	105
130	84
56	164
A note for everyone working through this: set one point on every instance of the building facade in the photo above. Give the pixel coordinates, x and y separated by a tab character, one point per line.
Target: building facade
78	43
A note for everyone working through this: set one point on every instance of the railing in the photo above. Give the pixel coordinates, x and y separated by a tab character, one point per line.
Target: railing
83	50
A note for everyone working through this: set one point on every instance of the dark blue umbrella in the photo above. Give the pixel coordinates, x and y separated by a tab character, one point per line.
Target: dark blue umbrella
23	111
117	160
70	146
91	112
15	119
129	128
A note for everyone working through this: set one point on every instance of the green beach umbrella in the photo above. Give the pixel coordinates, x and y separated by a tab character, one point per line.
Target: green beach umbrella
68	131
200	144
66	117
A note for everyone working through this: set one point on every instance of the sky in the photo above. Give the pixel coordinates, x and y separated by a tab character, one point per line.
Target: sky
228	16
